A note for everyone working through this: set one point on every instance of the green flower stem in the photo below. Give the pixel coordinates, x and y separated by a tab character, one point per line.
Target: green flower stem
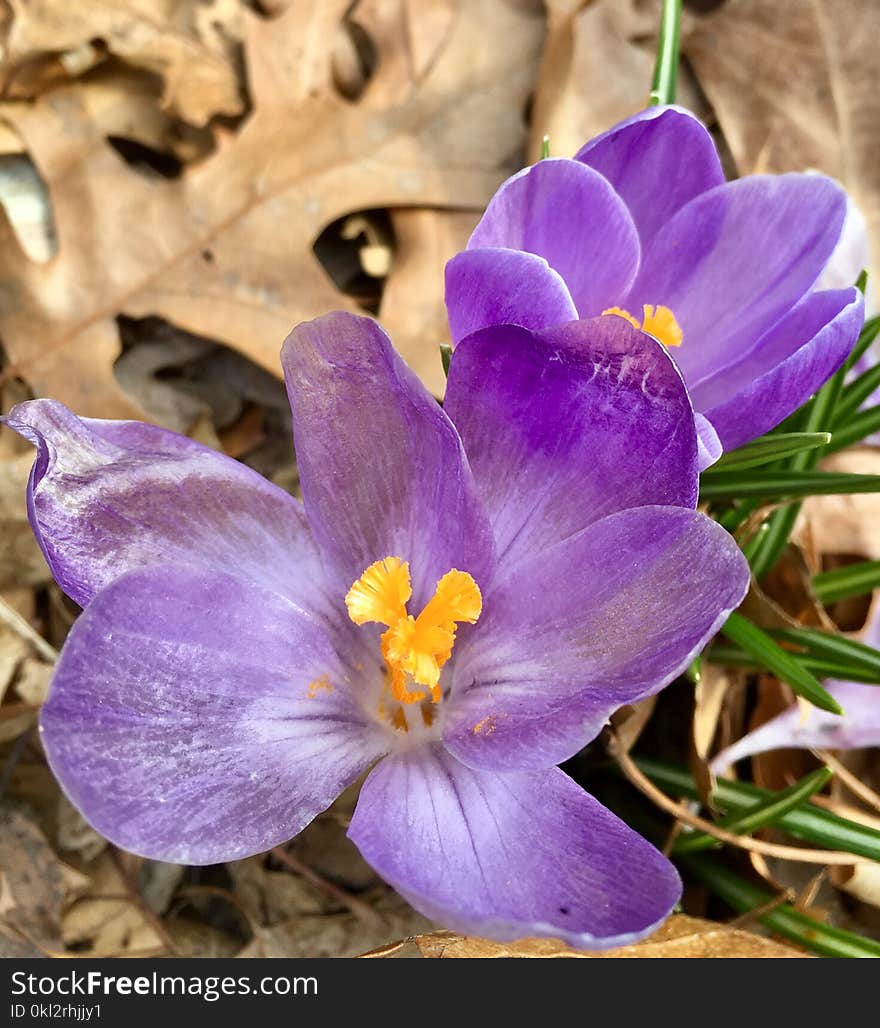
666	66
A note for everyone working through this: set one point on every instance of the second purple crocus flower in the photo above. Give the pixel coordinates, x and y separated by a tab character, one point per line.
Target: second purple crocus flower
806	727
642	225
463	598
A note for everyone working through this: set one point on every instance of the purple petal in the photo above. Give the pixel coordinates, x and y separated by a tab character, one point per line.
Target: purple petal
382	468
504	287
733	261
106	497
569	424
657	161
602	619
812	728
794	359
196	718
709	447
566	212
507	856
852	253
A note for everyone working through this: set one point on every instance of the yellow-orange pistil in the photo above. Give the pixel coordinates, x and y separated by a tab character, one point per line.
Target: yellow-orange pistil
415	649
657	321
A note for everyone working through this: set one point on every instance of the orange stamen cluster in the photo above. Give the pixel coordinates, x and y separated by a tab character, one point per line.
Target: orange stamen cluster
415	649
657	321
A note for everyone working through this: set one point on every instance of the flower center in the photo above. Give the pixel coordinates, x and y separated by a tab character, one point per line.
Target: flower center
414	649
657	321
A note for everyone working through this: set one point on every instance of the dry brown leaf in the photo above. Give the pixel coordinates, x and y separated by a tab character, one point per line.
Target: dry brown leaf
74	834
268	897
13	650
336	935
845	524
225	251
681	936
709	697
35	885
107	920
631	720
412	310
194	939
21	562
190	45
793	87
860	880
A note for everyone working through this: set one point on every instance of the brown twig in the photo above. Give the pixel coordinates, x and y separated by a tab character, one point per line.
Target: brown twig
144	910
357	906
749	916
854	784
769	849
12	619
218	893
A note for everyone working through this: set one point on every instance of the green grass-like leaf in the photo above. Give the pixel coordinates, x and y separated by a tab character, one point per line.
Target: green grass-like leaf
771	448
762	814
869	333
850	580
807	822
855	394
784	919
854	657
761	646
860	425
777	485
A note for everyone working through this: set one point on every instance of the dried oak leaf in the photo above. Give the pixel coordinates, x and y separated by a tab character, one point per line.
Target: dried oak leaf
107	920
35	885
225	250
21	562
793	87
850	523
680	936
190	45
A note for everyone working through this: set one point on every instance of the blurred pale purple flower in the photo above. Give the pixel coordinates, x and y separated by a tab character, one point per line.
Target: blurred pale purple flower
242	657
641	224
809	728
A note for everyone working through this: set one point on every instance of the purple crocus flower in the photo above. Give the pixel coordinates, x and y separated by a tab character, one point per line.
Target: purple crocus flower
809	728
642	225
462	599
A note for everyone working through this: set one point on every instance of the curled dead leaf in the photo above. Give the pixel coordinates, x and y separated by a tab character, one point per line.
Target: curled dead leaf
680	936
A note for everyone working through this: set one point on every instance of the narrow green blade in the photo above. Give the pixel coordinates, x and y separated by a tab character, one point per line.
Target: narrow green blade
867	336
776	485
807	822
851	580
761	646
734	656
845	653
762	814
855	394
771	448
784	919
445	357
860	425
